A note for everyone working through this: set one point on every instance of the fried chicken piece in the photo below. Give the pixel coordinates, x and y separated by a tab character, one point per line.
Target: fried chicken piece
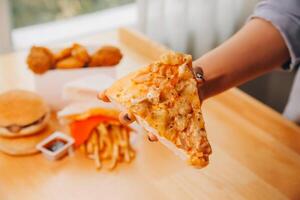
40	59
80	53
65	53
77	51
69	63
106	56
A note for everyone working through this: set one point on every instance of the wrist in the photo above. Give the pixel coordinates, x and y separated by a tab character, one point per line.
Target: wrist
213	73
200	78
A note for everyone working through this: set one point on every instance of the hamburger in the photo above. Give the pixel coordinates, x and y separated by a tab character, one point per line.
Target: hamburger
24	121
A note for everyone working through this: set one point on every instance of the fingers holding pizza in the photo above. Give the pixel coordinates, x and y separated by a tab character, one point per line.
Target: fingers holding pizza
126	117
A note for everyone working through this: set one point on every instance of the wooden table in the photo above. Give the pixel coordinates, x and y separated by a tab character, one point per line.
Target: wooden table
256	152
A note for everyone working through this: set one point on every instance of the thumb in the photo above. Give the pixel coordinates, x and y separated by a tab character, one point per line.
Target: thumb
152	137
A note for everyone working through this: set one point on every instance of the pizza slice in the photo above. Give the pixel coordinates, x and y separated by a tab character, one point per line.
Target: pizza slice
164	99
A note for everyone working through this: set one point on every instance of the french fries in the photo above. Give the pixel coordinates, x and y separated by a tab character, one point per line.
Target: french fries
109	143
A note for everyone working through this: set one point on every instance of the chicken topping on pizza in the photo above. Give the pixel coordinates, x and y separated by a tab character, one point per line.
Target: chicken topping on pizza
165	94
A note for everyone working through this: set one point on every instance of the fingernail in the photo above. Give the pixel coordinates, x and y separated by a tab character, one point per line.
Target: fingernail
126	117
103	97
152	139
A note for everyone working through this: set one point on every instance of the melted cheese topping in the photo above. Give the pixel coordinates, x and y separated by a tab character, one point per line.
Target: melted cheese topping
165	94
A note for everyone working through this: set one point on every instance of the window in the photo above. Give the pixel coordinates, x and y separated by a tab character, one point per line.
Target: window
31	12
37	22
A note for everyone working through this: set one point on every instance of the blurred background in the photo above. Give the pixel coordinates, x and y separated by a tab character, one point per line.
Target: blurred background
191	26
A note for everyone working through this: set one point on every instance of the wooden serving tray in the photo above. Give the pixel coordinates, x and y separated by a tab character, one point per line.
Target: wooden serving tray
256	153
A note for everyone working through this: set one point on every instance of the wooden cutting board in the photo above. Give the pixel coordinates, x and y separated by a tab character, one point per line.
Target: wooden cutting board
256	153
